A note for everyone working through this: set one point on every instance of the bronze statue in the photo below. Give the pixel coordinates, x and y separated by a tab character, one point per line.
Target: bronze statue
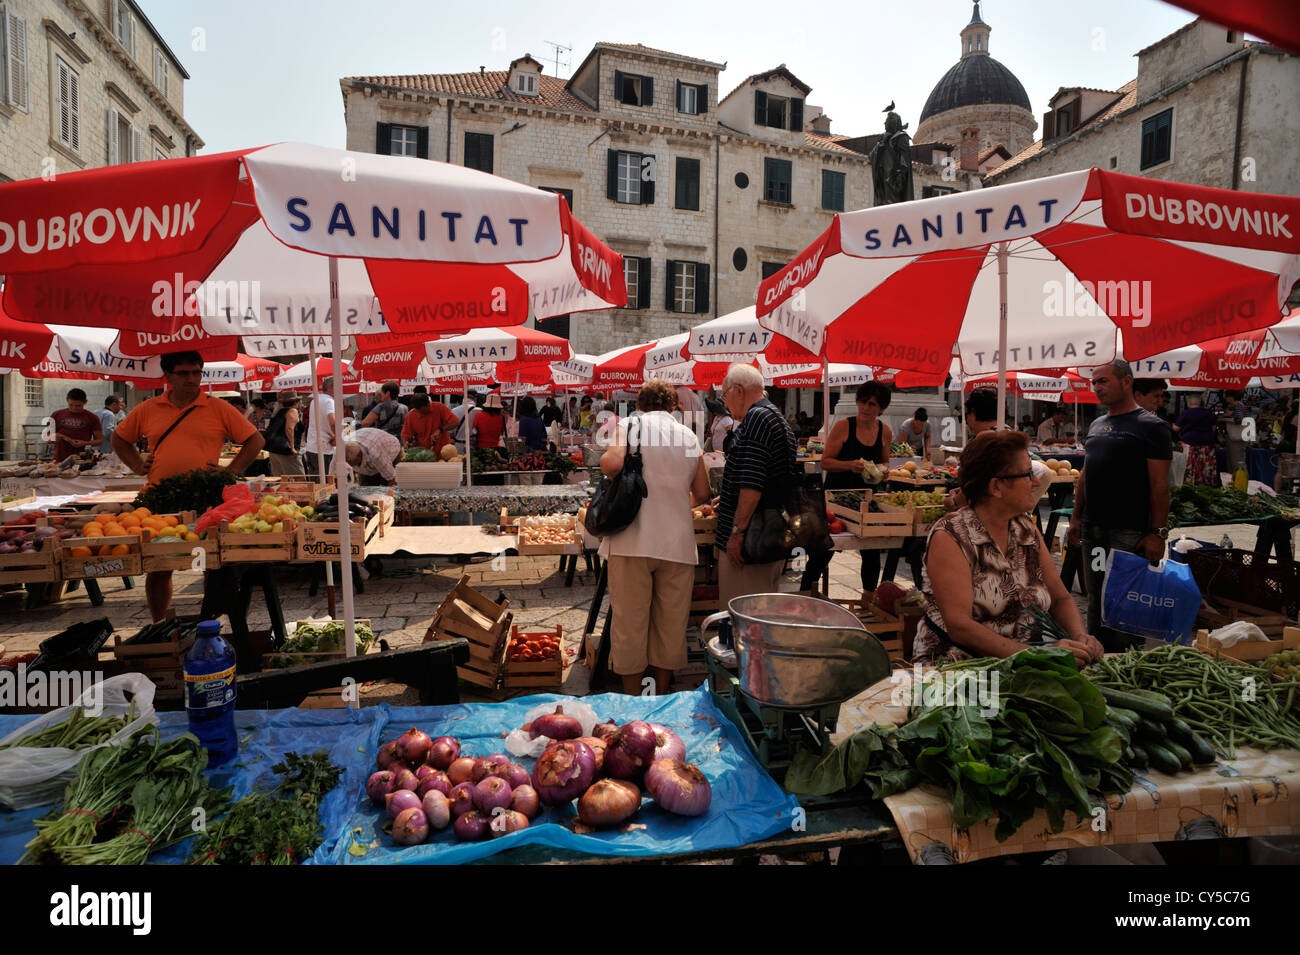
891	163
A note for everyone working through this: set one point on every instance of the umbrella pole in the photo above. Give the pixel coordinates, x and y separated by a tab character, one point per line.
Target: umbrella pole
320	461
341	466
469	469
826	400
961	401
1002	334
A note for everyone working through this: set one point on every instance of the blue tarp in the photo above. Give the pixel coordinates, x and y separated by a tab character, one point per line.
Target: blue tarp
350	737
747	804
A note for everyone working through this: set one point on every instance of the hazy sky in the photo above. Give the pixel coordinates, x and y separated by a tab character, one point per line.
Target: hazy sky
268	70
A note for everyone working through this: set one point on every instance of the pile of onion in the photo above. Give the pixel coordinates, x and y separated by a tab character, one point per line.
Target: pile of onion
678	787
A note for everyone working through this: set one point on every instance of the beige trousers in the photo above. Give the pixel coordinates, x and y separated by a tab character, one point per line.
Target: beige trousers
736	581
651	599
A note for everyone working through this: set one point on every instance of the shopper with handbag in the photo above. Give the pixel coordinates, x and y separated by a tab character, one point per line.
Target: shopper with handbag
651	563
758	481
280	434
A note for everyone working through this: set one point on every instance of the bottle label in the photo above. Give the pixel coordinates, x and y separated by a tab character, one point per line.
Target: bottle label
204	691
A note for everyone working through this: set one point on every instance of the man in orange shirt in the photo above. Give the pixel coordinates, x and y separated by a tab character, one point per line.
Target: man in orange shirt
185	429
429	424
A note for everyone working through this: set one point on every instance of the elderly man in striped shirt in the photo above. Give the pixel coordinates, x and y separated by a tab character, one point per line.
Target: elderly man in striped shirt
373	453
761	468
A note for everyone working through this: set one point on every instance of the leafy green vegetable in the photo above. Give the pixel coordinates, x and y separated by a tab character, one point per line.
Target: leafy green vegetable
1195	504
195	490
420	455
1047	744
321	638
280	826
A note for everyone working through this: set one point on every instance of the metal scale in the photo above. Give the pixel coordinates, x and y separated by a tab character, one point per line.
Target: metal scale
796	659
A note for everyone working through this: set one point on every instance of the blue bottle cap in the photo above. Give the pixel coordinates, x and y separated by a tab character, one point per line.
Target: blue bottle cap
210	628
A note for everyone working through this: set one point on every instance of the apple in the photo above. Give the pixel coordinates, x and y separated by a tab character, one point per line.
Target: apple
278	527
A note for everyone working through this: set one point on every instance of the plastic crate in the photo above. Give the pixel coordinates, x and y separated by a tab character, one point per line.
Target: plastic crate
1239	575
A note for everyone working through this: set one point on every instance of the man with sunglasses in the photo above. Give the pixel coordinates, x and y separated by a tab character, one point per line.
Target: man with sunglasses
1121	497
184	429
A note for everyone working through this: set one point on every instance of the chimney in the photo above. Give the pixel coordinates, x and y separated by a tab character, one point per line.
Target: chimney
970	149
482	70
822	124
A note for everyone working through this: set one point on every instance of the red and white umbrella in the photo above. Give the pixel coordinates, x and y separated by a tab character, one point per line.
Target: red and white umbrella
1039	274
739	333
301	377
510	350
244	370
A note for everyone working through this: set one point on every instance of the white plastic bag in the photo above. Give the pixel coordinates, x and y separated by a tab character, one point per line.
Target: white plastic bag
1178	469
32	776
518	743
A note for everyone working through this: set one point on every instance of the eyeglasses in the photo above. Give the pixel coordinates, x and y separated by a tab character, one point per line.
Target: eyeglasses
1015	477
196	373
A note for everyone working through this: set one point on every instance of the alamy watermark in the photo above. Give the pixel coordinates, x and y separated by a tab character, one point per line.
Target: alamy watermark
946	688
21	687
1080	298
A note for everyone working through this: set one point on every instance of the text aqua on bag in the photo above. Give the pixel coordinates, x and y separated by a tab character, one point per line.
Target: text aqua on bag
1158	602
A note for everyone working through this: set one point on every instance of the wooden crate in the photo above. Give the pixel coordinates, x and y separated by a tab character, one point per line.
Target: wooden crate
313	656
162	663
890	521
484	623
319	540
574	547
41	567
1218	612
535	675
301	492
99	565
1253	651
705	529
885	627
239	548
179	555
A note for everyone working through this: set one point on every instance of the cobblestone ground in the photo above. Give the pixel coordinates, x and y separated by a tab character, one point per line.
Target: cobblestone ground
401	604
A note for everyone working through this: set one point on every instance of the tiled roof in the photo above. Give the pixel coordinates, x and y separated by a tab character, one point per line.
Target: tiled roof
486	85
984	156
826	141
650	51
1126	99
782	69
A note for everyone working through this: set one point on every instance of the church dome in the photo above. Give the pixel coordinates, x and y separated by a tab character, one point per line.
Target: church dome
975	81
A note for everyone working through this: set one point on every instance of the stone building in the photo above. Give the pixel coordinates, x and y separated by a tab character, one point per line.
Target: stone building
83	83
703	194
1207	107
978	93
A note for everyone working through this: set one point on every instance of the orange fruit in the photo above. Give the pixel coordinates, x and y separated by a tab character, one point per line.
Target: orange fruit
142	512
79	551
191	537
94	530
114	530
120	550
170	520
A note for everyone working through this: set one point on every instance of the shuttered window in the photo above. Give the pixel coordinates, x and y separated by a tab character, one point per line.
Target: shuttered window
687	287
777	175
15	59
1157	138
160	71
478	151
124	25
687	184
68	110
832	190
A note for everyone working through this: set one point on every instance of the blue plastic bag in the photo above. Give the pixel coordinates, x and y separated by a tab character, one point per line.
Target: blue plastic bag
1159	602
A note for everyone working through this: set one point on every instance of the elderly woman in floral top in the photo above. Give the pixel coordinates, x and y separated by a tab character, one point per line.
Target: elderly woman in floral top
986	564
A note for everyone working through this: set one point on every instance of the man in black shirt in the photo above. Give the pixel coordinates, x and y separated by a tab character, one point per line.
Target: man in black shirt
1121	497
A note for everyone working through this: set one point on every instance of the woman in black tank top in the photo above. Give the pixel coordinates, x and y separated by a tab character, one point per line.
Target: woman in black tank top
842	464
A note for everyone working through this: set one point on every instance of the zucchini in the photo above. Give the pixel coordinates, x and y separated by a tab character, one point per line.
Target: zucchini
1142	702
1178	731
1152	730
1128	716
1202	752
1139	759
1163	760
1179	750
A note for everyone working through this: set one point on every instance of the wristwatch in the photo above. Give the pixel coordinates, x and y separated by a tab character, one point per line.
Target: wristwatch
1161	532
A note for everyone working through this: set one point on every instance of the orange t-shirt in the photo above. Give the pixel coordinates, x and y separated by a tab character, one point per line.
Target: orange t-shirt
194	443
426	428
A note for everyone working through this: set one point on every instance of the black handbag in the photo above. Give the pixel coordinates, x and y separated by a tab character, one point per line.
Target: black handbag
618	499
789	517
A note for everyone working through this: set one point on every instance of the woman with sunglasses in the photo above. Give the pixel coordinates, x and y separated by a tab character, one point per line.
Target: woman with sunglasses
986	564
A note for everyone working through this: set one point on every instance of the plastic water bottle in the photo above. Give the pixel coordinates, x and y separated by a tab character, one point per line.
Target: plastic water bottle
210	692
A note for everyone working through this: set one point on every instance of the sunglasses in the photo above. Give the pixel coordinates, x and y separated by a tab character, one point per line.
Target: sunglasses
1015	477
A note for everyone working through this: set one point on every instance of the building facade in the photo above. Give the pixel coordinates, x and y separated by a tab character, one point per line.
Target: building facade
83	83
703	194
1207	108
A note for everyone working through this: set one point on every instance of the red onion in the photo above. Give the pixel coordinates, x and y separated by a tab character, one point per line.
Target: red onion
411	827
555	725
564	771
609	802
630	751
405	779
401	799
422	772
437	780
506	821
484	766
668	745
598	747
512	773
472	826
379	785
524	799
388	756
443	751
436	809
605	730
413	746
461	798
492	792
679	787
461	769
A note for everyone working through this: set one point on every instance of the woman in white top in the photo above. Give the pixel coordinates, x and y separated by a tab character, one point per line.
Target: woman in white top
319	440
651	564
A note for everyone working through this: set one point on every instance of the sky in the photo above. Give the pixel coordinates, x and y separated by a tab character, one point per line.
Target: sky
264	71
